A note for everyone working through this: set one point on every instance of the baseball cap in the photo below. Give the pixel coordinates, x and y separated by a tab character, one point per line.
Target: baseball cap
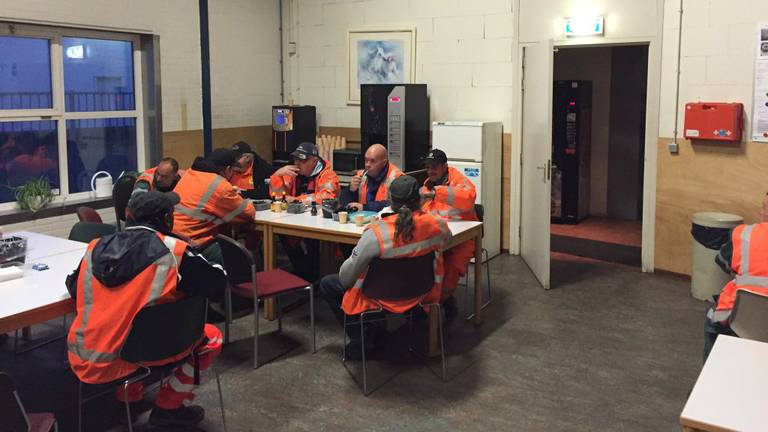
241	147
435	156
222	157
151	204
403	189
304	151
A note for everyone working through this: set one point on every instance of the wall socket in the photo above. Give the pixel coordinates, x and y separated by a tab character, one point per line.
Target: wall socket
673	147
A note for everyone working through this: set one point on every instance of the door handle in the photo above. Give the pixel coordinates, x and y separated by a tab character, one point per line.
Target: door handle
547	170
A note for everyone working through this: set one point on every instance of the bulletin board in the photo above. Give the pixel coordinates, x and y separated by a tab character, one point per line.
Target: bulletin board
760	105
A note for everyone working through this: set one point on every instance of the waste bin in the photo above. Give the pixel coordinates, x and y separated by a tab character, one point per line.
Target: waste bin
710	232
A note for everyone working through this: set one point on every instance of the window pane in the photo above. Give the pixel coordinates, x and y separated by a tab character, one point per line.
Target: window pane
99	145
98	75
25	73
28	151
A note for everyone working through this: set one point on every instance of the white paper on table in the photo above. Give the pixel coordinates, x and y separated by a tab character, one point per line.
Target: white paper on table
760	102
10	273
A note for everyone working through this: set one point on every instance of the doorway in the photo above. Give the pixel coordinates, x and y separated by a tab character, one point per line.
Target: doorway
598	145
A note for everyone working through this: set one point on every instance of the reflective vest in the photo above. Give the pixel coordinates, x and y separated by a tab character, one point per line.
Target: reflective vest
208	201
325	185
243	180
454	200
149	177
430	234
105	314
749	264
382	194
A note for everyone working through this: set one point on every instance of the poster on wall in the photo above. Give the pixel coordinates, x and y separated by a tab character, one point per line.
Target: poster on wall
379	57
760	106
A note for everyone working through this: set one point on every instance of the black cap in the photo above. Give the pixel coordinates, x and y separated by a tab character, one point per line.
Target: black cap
435	156
241	147
404	189
222	157
152	204
304	151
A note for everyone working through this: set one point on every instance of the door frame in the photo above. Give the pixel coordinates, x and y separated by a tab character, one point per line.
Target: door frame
653	90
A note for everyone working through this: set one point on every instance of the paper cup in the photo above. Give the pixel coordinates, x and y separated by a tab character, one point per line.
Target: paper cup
359	220
343	217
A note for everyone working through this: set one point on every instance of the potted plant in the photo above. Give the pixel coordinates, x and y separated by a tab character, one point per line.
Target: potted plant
34	195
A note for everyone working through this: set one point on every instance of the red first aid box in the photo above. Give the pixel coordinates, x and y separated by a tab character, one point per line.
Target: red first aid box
718	121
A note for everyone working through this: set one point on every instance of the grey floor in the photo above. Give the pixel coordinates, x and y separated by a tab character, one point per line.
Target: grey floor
609	348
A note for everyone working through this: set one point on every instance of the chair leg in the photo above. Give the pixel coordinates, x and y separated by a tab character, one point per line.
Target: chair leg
56	426
127	406
227	312
410	331
362	350
312	317
255	332
221	398
79	406
279	315
344	340
487	277
442	342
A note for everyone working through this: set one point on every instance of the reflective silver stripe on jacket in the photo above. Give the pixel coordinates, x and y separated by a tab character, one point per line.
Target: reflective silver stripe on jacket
718	315
236	212
209	193
754	281
386	237
198	215
164	265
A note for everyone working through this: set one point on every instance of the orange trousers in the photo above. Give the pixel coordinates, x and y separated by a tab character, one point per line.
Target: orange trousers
455	261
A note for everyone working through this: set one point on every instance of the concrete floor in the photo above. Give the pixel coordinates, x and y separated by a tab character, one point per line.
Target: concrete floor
609	348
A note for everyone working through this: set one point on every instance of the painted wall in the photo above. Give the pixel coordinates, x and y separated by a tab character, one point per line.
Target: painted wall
718	46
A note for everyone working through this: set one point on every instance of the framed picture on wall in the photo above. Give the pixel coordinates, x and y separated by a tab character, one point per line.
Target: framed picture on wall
379	56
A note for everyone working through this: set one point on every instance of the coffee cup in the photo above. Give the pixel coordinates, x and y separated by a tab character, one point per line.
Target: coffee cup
343	217
359	220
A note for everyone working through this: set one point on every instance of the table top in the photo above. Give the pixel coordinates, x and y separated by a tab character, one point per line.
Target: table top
269	215
41	245
731	392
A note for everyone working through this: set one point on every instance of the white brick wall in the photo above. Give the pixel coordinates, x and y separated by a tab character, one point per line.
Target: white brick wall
463	53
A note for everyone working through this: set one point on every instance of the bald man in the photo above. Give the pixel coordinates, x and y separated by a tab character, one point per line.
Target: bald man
369	189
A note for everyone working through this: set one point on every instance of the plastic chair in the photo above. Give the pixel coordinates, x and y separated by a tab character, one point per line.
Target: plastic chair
87	214
121	194
384	281
86	231
14	417
749	317
480	212
157	333
245	281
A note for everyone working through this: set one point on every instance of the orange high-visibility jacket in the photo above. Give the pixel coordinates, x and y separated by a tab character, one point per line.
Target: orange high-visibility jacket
431	233
382	194
243	180
148	176
454	200
105	314
208	201
749	264
325	185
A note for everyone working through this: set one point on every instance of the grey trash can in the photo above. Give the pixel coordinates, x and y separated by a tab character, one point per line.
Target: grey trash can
710	232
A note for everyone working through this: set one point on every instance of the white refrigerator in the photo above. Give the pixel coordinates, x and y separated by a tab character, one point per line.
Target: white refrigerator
474	148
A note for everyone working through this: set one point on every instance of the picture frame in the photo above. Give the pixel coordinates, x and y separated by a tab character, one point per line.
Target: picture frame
379	56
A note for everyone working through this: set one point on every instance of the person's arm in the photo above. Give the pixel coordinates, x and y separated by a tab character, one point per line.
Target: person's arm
376	206
460	196
231	207
71	282
347	196
327	188
725	255
200	277
365	250
139	188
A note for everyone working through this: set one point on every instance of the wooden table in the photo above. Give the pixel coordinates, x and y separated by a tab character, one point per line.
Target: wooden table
40	295
318	228
731	393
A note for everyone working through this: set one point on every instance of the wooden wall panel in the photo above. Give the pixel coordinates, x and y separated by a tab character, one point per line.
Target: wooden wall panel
183	145
704	177
186	145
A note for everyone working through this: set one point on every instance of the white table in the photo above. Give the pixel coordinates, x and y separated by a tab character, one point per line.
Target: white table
40	295
731	393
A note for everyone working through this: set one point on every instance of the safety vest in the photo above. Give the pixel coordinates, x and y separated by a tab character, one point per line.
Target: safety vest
105	314
243	180
149	177
325	185
208	201
454	200
382	194
430	234
749	263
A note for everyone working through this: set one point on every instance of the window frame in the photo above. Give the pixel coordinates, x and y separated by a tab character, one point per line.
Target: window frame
58	112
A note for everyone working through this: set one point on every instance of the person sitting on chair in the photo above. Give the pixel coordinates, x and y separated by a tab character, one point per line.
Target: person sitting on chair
251	172
409	232
125	272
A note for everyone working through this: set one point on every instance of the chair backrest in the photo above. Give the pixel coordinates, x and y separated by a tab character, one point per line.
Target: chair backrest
87	214
13	418
87	231
121	193
399	278
238	261
165	330
479	211
749	317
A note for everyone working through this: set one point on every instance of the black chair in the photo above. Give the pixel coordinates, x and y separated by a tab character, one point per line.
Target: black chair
157	333
480	212
86	231
246	282
13	416
749	317
87	214
384	281
121	194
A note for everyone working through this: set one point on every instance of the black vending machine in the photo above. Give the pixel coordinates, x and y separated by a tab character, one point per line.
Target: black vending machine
571	142
291	126
397	116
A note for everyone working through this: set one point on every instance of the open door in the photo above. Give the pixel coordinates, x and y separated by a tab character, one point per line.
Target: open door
536	159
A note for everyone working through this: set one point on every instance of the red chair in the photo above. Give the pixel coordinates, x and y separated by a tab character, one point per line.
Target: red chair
87	214
13	416
245	281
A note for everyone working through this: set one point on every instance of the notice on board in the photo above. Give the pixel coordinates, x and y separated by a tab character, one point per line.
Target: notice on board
760	105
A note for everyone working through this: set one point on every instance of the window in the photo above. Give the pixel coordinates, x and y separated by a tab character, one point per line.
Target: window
68	108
